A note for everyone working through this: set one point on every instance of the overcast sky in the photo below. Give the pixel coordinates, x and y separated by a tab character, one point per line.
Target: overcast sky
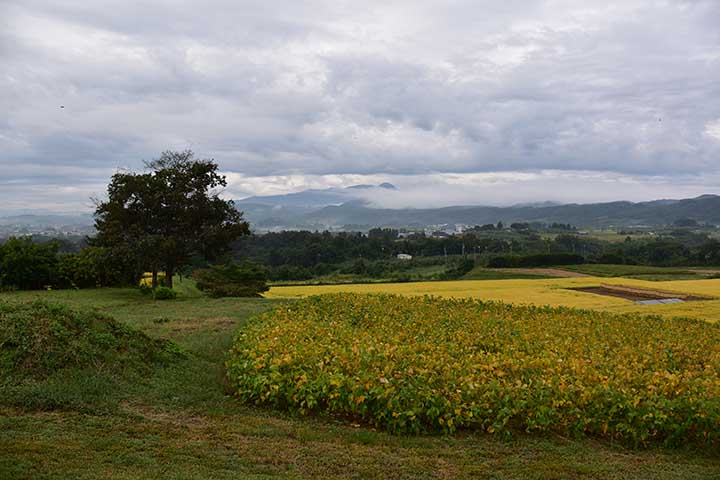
483	102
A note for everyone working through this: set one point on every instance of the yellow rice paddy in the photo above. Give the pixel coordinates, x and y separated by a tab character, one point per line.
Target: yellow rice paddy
555	291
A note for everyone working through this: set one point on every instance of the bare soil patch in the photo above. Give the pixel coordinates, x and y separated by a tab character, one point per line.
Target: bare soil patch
637	294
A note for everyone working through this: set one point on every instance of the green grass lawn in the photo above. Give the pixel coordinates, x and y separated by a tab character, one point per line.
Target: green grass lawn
482	273
635	271
178	422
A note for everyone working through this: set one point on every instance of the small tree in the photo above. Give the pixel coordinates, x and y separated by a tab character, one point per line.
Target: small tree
169	214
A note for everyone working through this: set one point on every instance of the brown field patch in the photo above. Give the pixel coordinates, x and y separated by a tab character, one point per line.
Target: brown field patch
637	294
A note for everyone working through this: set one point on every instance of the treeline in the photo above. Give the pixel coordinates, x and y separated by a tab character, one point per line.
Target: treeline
297	255
302	255
29	265
308	249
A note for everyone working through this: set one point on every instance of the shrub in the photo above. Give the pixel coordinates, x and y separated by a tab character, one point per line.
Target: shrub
164	293
358	267
232	280
401	278
318	270
419	364
540	260
27	265
81	270
458	269
503	262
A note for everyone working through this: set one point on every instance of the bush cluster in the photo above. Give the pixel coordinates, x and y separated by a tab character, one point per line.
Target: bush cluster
232	280
419	364
540	260
28	265
458	269
164	293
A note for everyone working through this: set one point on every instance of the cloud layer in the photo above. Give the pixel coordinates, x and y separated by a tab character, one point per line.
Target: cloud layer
293	94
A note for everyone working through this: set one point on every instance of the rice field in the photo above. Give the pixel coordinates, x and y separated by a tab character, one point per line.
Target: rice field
553	291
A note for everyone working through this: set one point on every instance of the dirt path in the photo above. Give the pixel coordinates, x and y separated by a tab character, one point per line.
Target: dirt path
550	272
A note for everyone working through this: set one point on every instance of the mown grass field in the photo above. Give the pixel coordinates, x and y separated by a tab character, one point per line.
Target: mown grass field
640	272
178	422
555	292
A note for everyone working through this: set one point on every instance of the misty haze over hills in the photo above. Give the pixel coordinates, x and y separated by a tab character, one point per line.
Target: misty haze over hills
318	197
352	208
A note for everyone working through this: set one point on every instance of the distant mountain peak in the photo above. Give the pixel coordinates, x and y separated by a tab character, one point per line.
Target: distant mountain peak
385	185
536	204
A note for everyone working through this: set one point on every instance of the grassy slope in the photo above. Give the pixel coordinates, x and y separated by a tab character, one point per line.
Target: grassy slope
178	423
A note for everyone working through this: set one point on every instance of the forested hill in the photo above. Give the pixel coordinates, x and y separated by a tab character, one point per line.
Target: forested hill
703	209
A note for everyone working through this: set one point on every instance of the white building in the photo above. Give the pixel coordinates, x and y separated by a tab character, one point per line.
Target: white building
404	256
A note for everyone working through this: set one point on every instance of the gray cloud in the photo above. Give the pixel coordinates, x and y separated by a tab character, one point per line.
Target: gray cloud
327	91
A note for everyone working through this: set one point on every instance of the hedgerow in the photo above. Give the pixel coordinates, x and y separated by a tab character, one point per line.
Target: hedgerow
423	364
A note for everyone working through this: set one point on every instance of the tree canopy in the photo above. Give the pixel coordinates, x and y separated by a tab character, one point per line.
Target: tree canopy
162	218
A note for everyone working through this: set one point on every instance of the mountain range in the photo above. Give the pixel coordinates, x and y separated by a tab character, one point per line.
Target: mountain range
349	209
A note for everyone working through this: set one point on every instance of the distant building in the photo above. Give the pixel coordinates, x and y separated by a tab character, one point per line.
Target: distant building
404	256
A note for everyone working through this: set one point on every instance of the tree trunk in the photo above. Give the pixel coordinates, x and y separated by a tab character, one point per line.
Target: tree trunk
169	277
154	278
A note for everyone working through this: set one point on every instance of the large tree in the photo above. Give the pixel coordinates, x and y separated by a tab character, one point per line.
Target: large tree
162	218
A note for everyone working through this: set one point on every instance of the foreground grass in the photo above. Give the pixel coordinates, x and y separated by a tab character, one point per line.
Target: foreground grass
178	423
